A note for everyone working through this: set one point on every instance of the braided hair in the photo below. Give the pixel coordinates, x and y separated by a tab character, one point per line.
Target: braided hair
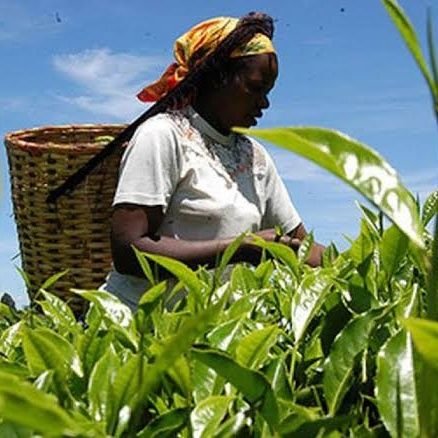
183	94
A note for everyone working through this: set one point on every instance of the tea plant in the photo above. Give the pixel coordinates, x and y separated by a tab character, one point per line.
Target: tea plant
280	349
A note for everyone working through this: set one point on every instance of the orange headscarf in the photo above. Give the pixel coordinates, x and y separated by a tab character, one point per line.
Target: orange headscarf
205	36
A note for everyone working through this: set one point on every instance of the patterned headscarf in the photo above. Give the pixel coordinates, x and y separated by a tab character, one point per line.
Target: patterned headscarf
194	46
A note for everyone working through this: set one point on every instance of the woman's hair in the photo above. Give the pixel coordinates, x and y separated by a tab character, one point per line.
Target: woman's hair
184	93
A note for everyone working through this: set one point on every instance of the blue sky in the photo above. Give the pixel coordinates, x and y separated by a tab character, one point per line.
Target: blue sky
342	65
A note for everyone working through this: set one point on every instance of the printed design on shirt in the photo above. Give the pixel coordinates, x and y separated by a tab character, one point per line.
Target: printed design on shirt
230	161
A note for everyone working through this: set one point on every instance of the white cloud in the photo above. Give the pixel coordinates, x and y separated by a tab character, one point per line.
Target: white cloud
111	80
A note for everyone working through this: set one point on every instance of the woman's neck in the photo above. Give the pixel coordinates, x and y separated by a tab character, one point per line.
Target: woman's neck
207	109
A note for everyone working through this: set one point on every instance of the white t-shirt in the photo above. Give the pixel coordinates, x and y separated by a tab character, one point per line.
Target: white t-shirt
210	186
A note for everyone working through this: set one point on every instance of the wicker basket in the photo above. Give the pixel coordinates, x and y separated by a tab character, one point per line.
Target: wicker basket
73	233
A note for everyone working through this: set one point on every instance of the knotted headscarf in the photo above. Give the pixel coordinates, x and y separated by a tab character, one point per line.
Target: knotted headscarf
194	46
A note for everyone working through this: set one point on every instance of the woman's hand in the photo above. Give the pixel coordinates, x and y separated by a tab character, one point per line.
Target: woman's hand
293	240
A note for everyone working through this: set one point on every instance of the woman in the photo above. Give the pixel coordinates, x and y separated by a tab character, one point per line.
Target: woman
188	185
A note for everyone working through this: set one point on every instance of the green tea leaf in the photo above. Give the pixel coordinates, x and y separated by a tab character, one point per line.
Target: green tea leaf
320	427
410	38
393	249
176	345
10	339
227	256
358	165
308	299
180	271
24	405
304	249
53	279
125	393
364	244
58	311
100	389
395	387
425	336
167	424
110	306
253	384
208	414
281	252
371	219
152	297
145	266
11	430
338	367
44	380
432	52
243	279
252	351
430	208
46	350
227	334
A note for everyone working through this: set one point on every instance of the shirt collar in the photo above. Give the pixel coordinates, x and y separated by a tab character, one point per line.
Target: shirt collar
203	126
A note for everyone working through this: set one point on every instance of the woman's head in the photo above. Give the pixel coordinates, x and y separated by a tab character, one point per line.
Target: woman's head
238	94
214	56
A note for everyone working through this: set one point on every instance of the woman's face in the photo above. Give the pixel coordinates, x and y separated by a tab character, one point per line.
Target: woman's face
245	96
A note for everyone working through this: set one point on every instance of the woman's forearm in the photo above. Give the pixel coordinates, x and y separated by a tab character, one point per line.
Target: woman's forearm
192	253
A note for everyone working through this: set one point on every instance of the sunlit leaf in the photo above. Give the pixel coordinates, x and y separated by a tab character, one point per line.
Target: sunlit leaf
227	334
10	339
432	51
227	257
315	428
281	252
57	310
305	247
430	207
395	386
53	279
44	380
208	414
425	336
124	392
100	390
24	405
144	264
253	384
338	367
46	350
173	347
308	299
167	424
109	305
410	38
253	349
356	164
393	248
243	279
180	271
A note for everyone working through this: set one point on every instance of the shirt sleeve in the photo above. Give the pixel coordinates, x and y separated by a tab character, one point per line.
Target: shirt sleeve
149	169
280	209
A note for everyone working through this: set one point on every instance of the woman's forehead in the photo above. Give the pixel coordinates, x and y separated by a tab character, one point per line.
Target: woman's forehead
261	67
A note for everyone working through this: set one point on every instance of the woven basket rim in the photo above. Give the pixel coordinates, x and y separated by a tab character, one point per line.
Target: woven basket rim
18	139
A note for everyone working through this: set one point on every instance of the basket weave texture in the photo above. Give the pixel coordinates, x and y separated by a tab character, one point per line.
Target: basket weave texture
72	234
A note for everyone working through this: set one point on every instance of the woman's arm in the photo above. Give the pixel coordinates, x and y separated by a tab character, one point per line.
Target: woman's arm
137	225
